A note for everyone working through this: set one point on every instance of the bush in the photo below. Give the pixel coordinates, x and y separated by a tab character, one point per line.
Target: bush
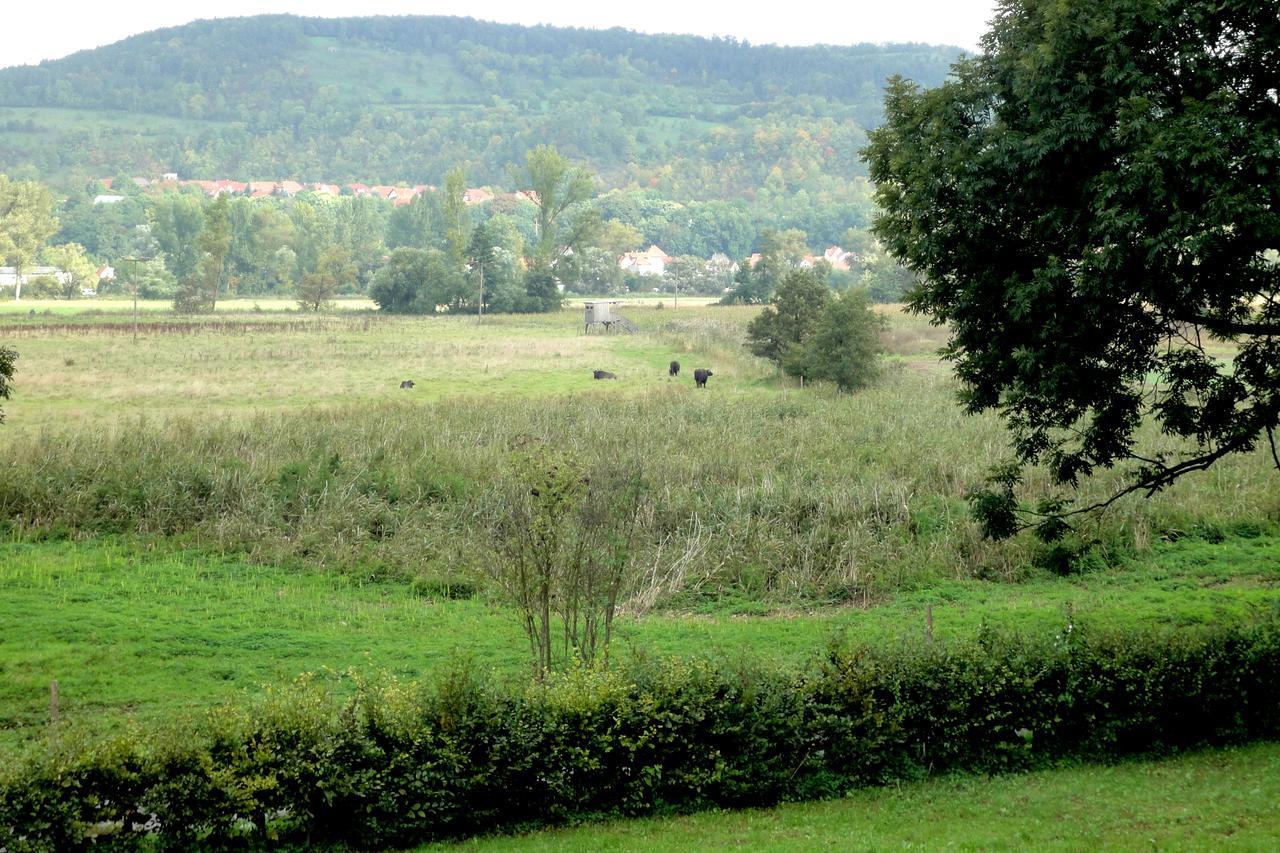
397	764
844	345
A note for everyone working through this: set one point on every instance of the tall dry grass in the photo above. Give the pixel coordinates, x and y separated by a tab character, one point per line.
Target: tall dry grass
785	496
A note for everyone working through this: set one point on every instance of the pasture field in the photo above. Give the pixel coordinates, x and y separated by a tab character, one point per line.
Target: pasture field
1216	800
88	308
87	371
233	501
121	625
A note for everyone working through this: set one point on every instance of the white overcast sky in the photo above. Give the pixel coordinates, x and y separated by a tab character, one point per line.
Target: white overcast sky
35	30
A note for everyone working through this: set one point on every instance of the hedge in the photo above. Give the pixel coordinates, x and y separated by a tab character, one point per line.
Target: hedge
398	764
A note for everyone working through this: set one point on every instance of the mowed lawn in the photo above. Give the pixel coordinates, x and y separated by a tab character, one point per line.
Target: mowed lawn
131	632
1214	800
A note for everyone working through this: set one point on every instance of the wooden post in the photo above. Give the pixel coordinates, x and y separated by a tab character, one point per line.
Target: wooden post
928	622
53	701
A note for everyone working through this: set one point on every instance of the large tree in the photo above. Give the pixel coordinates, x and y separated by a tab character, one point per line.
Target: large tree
26	221
790	316
198	293
1091	202
565	223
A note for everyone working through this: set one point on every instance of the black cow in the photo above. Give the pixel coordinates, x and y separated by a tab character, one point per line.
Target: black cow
406	385
700	377
603	374
674	369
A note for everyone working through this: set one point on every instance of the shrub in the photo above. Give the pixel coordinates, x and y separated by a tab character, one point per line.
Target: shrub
398	764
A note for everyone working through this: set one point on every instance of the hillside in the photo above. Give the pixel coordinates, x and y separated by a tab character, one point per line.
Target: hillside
404	99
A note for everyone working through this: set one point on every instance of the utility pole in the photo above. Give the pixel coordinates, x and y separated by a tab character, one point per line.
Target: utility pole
480	304
133	265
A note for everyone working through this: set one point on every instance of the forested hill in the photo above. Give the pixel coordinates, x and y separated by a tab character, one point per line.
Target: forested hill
405	99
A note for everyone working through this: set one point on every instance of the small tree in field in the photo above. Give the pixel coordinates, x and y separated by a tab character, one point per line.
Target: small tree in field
844	346
790	316
8	355
561	553
334	270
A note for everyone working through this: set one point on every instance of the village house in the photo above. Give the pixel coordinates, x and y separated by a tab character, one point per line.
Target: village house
9	275
839	258
108	199
652	261
476	195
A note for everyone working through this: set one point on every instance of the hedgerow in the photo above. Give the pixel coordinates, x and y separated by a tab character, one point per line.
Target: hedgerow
398	763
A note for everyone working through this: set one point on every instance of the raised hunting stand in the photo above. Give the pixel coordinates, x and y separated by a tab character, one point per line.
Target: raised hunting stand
604	313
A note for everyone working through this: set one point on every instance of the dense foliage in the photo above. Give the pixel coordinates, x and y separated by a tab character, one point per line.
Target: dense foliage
8	356
399	764
843	346
793	310
814	335
1092	204
772	131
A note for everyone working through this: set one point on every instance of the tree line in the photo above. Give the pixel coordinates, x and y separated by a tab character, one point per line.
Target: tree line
517	252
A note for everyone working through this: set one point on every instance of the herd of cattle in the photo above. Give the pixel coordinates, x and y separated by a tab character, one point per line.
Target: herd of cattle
700	376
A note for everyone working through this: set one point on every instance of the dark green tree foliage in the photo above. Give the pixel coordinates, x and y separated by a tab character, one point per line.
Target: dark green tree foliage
176	223
790	316
493	256
395	765
8	357
199	292
780	252
541	292
417	225
843	346
334	272
418	281
1090	203
107	231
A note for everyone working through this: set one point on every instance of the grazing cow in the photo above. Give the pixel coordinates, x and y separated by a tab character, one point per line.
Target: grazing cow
603	374
406	385
700	377
674	369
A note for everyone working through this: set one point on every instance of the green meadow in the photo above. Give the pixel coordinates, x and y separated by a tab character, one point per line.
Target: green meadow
1220	800
231	502
136	633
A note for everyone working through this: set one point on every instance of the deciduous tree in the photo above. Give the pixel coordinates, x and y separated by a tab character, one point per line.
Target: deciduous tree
790	316
1091	202
560	191
843	346
8	356
26	221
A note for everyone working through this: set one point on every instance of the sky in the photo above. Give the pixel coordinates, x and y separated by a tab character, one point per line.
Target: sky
36	30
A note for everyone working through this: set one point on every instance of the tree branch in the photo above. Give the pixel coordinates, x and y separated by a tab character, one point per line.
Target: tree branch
1219	326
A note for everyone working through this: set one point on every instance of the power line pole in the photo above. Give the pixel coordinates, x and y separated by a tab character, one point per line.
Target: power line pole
133	265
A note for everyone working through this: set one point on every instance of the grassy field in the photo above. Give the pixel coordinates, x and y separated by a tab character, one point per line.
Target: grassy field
119	624
232	501
88	370
1221	800
89	308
